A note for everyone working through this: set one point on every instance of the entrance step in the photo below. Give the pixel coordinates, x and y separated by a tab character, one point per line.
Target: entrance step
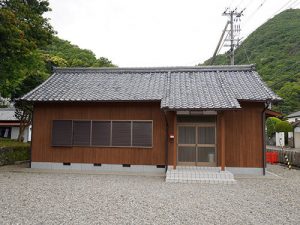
194	174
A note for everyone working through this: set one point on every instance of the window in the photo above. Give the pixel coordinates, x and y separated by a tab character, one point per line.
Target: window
121	133
5	132
81	133
187	135
141	133
62	133
101	131
206	135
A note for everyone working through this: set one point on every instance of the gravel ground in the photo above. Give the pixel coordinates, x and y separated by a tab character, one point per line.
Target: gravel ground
52	198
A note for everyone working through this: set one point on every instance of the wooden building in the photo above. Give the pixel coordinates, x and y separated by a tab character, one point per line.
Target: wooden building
10	125
142	119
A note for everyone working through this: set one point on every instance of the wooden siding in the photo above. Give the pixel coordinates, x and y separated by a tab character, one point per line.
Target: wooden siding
243	136
44	114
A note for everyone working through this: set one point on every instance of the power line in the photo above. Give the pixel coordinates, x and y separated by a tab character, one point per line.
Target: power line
219	43
283	70
294	4
235	42
249	3
231	3
284	79
239	3
246	53
282	7
255	11
234	18
223	43
232	33
297	5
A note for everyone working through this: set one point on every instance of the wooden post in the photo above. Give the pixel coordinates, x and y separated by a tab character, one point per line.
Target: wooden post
174	141
222	141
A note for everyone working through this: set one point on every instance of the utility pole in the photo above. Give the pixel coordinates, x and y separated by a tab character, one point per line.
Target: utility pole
234	16
219	43
231	39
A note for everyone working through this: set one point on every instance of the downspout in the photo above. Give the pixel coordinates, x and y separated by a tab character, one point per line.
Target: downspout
167	124
31	138
167	143
264	135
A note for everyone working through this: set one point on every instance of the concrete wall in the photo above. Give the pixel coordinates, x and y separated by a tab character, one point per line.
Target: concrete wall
293	156
297	139
291	120
15	133
280	139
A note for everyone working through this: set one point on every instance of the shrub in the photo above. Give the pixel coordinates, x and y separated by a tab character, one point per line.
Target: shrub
11	155
283	126
271	123
12	151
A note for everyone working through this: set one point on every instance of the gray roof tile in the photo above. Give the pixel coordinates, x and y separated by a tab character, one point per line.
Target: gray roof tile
217	87
295	114
8	114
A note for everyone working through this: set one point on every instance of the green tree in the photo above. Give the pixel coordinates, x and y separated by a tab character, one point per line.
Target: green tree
24	109
290	92
23	113
283	126
275	49
28	47
23	30
271	123
72	55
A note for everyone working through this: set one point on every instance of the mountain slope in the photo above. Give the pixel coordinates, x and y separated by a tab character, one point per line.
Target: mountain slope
275	49
59	53
63	53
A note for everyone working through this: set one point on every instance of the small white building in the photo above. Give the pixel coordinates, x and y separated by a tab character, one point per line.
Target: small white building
10	125
296	126
293	117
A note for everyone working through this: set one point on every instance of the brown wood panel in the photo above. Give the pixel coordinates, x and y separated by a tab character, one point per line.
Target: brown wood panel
44	114
243	136
171	116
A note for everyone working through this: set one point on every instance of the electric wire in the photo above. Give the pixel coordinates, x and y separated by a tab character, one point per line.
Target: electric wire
282	7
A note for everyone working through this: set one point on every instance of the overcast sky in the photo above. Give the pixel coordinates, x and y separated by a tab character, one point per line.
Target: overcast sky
155	32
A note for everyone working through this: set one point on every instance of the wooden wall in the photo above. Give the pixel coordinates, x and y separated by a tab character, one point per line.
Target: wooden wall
243	136
44	114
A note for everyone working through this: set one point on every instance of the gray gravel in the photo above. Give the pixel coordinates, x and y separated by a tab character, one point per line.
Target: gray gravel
51	198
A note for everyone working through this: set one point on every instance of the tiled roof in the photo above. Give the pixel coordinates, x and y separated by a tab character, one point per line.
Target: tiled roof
295	114
209	87
7	114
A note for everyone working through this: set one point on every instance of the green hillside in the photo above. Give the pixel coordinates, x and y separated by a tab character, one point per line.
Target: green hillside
29	48
275	49
39	64
63	53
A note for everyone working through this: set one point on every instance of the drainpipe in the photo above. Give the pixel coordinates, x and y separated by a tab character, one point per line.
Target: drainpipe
167	142
264	135
31	138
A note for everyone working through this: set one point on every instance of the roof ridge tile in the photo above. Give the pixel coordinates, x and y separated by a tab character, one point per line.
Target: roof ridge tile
250	67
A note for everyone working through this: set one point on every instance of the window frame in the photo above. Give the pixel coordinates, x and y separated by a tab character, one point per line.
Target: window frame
142	121
111	137
77	145
110	144
55	145
110	133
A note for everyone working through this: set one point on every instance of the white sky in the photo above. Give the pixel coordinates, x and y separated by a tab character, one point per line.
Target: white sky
155	32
